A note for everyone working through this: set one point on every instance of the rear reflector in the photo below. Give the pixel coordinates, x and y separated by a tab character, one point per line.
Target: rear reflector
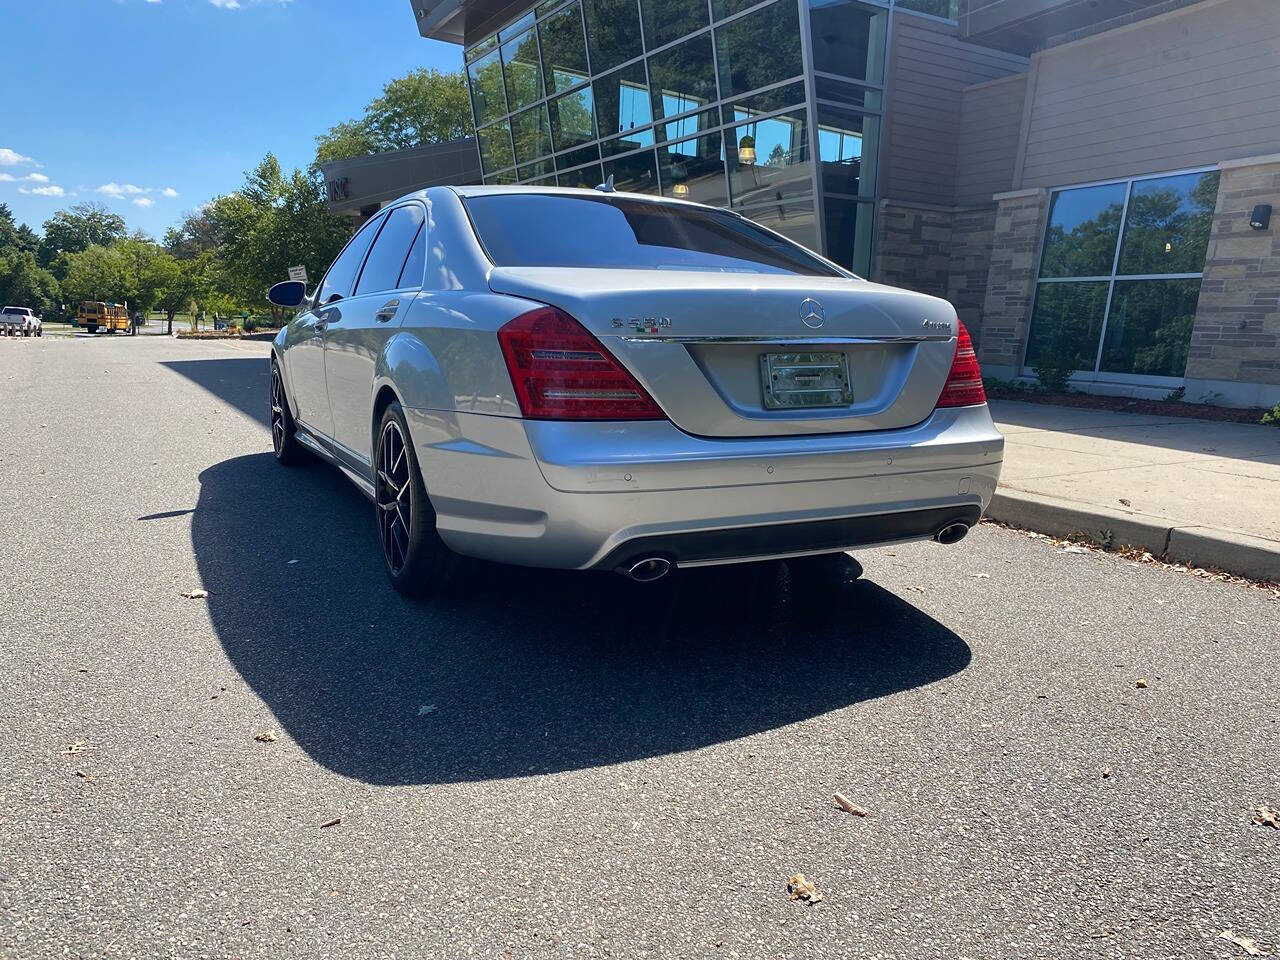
561	372
964	382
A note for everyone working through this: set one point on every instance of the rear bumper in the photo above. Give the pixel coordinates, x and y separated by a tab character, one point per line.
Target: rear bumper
584	495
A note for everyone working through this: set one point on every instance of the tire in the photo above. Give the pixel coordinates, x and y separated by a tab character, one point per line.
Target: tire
40	332
416	560
93	328
284	431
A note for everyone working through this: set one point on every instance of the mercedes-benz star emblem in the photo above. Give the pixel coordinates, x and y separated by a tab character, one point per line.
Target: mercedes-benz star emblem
812	314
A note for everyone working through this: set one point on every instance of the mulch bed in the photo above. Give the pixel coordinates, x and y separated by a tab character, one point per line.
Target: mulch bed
1150	408
224	335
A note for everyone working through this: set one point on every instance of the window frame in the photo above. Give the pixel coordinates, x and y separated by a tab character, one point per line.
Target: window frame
375	223
389	211
1097	374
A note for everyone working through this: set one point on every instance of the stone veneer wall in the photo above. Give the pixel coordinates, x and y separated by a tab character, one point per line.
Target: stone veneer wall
937	250
1237	330
1011	280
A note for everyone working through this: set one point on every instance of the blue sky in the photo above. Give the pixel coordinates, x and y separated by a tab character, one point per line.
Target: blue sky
154	106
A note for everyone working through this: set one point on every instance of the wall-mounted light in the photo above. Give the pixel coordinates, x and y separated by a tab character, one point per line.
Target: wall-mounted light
1260	218
1168	247
680	191
747	151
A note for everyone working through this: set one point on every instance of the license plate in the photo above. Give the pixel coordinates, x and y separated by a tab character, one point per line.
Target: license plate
797	381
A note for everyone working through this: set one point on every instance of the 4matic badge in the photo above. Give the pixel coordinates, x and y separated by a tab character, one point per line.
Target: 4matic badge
642	324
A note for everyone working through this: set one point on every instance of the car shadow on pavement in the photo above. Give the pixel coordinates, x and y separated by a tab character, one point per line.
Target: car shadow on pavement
514	671
239	382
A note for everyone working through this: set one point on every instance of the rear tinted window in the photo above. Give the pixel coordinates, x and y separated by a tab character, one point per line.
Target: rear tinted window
544	230
390	250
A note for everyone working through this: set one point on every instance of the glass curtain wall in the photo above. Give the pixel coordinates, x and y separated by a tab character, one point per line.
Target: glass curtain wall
1120	276
771	108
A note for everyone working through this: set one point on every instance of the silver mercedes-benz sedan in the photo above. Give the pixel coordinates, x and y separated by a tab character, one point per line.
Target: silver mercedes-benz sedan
600	380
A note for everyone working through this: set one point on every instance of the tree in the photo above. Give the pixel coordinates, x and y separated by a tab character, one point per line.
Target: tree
24	283
424	106
14	236
96	273
83	226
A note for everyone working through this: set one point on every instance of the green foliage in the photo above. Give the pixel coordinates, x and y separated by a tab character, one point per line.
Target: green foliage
24	283
424	106
83	226
1176	395
1272	416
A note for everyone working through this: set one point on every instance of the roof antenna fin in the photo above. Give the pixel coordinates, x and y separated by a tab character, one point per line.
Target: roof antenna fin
607	186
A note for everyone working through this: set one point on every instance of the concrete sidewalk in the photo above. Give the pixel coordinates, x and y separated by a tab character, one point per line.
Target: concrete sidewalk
1200	492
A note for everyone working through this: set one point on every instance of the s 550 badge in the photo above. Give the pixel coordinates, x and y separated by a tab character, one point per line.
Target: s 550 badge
642	324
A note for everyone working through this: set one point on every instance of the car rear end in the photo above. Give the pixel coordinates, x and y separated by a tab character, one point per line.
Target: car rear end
755	402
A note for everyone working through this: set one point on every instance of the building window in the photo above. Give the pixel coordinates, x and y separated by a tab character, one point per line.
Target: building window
1120	276
488	97
769	160
523	70
668	20
572	119
613	32
760	49
683	78
531	132
694	170
622	101
495	147
564	51
848	39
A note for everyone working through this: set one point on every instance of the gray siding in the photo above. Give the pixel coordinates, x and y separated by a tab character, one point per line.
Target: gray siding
990	124
928	71
1186	89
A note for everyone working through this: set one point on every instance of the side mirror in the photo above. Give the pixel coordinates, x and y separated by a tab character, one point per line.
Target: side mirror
289	293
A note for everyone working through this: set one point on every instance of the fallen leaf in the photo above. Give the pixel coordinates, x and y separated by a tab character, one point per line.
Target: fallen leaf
1250	947
331	823
982	576
1125	502
849	806
1075	549
85	777
1142	683
802	889
291	563
80	746
1265	816
196	594
267	736
426	708
916	589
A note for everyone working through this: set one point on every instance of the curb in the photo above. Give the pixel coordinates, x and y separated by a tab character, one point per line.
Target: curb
1194	545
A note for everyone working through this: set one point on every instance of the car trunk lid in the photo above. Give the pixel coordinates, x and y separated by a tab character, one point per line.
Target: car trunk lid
838	354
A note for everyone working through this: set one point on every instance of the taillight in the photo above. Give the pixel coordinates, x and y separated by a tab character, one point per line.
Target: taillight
561	372
964	382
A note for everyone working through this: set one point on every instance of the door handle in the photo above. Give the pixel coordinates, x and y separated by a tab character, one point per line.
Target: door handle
388	311
320	325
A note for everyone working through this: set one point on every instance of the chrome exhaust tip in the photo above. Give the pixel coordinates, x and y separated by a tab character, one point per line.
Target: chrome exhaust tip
648	570
952	533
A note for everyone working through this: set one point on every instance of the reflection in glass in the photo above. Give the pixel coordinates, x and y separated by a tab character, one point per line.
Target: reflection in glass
768	159
1084	225
668	20
634	174
744	108
531	132
847	149
622	101
1149	326
694	170
613	32
576	158
848	38
633	140
495	147
523	72
516	27
759	49
683	78
1066	324
794	218
828	88
689	125
536	171
727	8
1167	227
587	177
484	46
847	225
572	120
564	52
937	8
488	99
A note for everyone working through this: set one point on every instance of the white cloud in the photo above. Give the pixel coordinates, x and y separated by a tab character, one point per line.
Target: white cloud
11	158
121	191
143	202
53	190
226	4
29	178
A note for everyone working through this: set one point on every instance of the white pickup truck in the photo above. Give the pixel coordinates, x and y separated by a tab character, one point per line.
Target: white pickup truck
20	322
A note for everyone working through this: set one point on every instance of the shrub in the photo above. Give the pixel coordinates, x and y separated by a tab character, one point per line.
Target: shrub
1272	416
1054	374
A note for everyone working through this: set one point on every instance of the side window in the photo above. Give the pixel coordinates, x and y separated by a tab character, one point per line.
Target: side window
415	264
386	259
341	277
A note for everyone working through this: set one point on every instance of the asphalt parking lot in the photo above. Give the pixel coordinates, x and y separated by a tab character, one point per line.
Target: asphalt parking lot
564	765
